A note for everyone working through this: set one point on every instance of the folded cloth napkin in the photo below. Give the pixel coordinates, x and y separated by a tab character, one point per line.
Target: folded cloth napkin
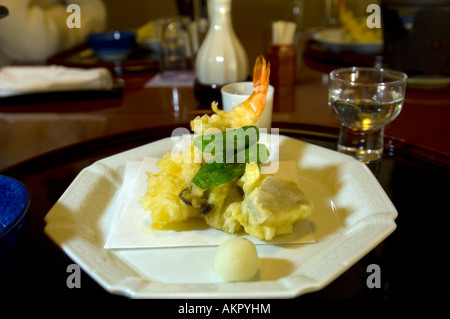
16	80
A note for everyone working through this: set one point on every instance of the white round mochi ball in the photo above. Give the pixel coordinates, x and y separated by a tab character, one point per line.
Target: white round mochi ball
236	260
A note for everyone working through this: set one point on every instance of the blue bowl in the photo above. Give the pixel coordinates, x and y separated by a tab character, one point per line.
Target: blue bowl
112	45
14	204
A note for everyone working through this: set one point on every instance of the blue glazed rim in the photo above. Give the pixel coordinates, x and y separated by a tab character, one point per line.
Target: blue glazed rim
18	193
112	34
111	39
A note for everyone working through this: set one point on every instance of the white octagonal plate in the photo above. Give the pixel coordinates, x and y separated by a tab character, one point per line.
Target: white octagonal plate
352	214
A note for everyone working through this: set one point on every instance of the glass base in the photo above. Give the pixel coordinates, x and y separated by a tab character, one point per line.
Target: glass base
365	156
365	146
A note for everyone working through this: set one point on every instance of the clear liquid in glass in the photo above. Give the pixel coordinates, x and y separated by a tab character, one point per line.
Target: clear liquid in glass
362	125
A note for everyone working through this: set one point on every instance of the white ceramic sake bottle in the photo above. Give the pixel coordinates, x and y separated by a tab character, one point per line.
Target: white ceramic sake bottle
221	58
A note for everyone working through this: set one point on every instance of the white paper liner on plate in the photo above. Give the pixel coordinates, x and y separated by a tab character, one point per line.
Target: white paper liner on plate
132	229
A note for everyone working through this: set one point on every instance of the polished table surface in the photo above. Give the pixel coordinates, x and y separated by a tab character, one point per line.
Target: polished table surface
415	173
34	127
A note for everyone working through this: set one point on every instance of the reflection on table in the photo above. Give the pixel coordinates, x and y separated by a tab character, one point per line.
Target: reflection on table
145	101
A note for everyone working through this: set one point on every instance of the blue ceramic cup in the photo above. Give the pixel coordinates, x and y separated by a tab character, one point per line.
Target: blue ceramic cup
112	45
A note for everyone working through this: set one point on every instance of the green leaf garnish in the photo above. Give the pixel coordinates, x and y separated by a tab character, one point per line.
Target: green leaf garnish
225	142
229	162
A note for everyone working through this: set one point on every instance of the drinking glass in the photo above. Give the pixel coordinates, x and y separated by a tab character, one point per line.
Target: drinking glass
175	46
365	100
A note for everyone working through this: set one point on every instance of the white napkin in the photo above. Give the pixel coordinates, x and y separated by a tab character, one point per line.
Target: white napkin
172	79
16	80
131	227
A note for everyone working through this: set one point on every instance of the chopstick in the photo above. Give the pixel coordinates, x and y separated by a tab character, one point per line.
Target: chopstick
283	32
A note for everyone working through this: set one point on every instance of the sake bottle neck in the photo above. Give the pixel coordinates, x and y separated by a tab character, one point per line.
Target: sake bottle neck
220	14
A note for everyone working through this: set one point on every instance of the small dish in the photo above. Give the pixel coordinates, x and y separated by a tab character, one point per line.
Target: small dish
334	39
428	82
112	45
14	204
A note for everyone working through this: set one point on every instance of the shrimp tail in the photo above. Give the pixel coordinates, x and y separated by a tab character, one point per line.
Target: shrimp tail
261	75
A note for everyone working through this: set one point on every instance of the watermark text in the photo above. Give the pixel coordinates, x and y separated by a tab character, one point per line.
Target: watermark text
74	19
374	19
227	308
74	279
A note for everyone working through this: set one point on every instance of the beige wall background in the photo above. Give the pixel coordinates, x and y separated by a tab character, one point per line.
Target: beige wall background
130	14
